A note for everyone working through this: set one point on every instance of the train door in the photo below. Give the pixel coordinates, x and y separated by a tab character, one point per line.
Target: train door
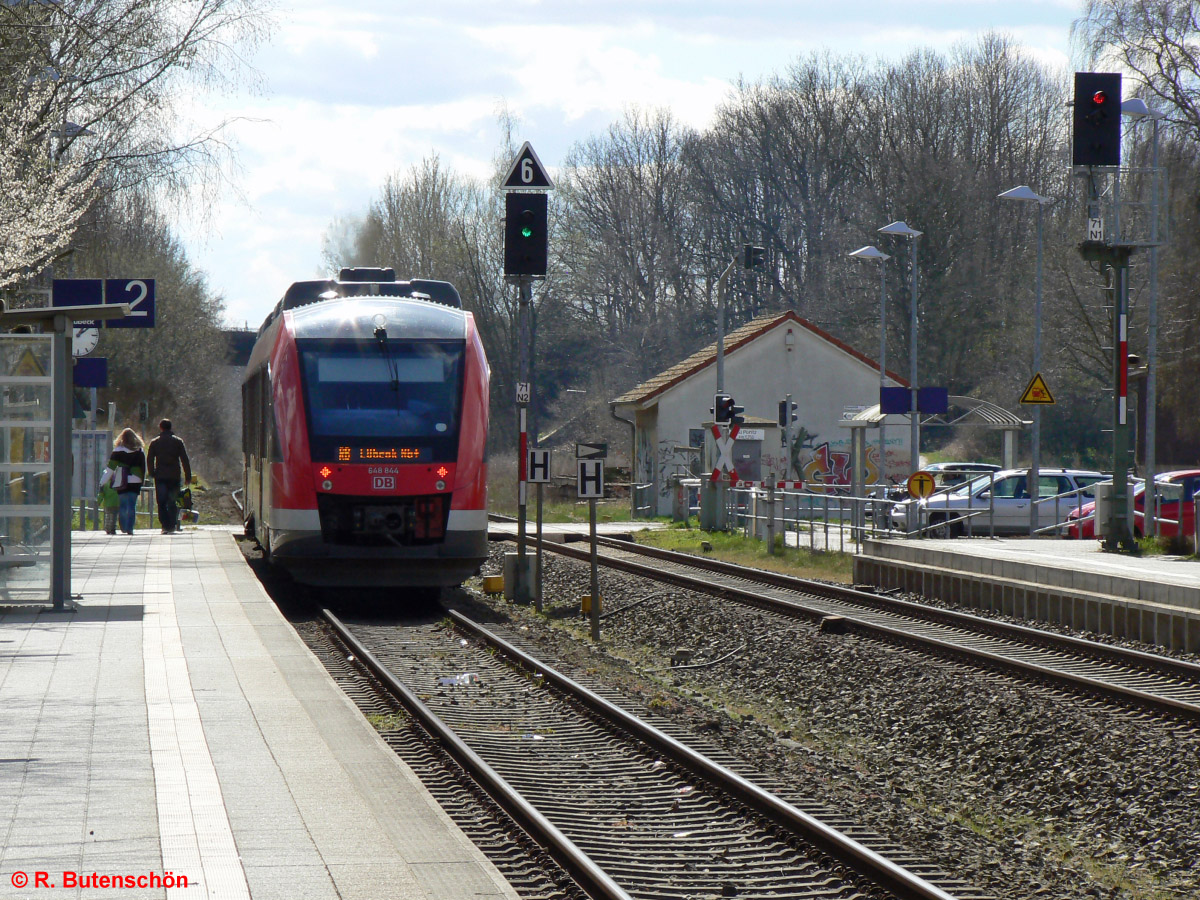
266	453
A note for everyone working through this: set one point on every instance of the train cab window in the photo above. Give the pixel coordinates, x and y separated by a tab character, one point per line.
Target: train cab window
398	389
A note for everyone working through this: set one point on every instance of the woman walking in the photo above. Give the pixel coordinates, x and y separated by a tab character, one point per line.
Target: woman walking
128	465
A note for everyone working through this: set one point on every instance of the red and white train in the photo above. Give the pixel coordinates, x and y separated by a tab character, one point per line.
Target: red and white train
364	433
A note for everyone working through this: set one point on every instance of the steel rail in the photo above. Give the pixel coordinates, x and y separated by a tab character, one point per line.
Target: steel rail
974	624
591	878
877	868
1122	655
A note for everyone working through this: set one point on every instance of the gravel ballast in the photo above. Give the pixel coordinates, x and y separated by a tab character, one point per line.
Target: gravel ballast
1010	786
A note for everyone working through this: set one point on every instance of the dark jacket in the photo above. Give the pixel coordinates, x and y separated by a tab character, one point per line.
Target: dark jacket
167	455
134	463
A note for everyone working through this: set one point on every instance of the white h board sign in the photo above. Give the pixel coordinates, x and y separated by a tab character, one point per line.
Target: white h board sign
589	478
539	466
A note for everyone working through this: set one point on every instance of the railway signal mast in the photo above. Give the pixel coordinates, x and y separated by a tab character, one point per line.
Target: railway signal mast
526	256
1096	147
713	498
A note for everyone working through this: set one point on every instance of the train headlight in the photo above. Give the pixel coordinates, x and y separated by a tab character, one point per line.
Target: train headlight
441	485
327	485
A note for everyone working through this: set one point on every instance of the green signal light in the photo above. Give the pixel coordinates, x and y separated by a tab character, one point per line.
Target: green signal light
526	231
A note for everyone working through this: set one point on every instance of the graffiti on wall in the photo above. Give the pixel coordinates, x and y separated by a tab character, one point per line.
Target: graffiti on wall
669	463
645	457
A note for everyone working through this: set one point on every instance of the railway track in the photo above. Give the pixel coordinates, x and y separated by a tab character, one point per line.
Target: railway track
1163	685
627	808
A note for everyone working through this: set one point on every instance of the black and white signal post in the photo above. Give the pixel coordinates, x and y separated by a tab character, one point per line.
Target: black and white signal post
526	252
589	486
539	474
1096	151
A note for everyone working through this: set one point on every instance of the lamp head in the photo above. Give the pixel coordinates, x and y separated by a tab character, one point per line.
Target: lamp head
1023	192
1136	108
870	252
902	229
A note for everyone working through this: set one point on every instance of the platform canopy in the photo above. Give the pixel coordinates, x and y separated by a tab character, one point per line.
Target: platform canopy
963	411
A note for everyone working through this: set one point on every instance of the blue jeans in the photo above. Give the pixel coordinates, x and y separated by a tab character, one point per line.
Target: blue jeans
166	490
127	511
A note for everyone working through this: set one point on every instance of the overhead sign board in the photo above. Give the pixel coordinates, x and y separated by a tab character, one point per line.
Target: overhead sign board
591	451
527	173
91	372
895	400
1037	392
137	292
933	401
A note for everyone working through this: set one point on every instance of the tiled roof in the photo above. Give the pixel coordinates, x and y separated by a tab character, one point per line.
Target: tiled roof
735	339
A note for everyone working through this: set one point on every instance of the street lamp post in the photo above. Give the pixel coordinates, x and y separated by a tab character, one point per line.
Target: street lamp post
1025	193
1136	108
914	416
872	252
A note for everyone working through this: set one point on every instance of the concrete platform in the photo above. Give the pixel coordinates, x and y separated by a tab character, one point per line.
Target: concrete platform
558	532
1073	583
176	724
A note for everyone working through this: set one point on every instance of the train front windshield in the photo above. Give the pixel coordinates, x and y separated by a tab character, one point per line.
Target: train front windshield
382	400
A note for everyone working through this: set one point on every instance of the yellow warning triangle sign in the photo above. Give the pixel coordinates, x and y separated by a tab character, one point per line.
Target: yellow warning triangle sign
28	366
1037	392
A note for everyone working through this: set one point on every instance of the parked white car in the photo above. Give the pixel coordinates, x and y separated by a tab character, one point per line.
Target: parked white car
1001	502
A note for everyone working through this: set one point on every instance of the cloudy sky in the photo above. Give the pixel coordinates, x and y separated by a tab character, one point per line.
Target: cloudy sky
357	90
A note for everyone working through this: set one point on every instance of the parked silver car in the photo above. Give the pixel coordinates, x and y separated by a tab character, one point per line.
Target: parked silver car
1000	503
946	475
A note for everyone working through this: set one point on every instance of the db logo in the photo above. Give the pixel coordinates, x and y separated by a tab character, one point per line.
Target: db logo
383	483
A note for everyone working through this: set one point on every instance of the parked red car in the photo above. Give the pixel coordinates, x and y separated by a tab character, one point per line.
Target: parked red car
1176	510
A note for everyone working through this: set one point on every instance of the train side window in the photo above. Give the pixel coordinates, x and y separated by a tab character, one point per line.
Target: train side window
251	414
267	424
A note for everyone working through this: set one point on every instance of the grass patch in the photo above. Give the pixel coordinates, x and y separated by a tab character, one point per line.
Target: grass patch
734	548
1178	545
385	723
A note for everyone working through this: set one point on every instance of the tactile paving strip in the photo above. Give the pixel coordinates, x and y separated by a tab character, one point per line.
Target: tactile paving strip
194	831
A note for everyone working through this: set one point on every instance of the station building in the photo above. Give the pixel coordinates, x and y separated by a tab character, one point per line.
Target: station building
765	359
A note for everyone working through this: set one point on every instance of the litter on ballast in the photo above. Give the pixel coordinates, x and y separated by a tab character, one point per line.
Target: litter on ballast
458	680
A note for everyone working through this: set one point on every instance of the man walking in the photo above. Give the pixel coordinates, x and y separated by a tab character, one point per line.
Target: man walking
166	462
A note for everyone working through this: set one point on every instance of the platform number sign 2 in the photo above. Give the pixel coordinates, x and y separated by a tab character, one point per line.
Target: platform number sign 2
139	294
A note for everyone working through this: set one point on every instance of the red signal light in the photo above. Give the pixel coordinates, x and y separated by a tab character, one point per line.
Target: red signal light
442	472
1099	98
325	471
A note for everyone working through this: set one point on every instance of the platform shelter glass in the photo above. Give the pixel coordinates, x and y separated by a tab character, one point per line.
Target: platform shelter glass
26	417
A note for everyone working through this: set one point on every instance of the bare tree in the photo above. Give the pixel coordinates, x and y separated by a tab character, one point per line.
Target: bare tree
95	86
1157	40
630	270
